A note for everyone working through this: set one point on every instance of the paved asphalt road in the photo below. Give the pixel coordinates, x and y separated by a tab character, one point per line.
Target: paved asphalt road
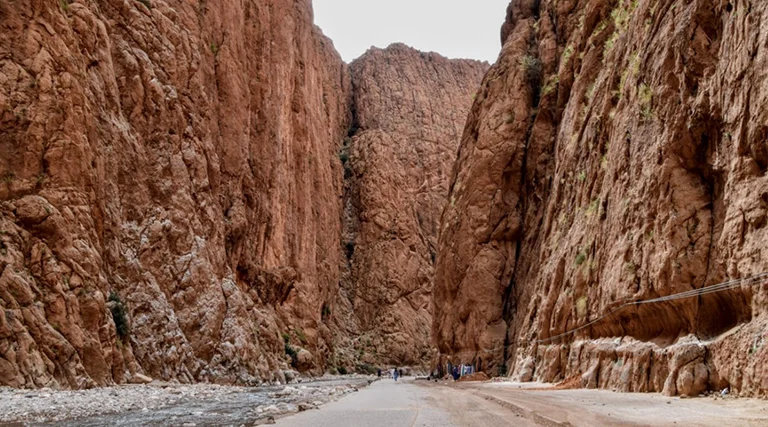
411	403
387	403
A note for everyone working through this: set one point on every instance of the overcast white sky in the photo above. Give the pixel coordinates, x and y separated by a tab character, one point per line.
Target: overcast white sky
453	28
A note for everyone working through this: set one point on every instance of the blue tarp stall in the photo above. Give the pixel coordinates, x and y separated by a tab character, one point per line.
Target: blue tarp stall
467	370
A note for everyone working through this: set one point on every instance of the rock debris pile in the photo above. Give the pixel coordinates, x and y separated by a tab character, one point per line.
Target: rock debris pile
169	403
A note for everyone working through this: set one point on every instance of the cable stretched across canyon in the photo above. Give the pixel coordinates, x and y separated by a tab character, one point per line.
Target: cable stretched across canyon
756	280
720	287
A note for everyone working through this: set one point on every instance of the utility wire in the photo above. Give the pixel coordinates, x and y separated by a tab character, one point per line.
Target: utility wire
720	287
760	279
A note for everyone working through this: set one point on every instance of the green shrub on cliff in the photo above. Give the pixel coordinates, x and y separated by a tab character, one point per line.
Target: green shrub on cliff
366	368
580	258
118	315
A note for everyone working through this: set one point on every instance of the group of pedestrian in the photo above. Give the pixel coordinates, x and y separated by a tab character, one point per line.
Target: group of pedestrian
395	373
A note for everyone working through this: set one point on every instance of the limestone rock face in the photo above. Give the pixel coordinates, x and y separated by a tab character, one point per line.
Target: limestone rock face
616	152
410	108
181	155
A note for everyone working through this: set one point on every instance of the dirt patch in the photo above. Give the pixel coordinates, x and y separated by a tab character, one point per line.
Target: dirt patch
477	376
570	383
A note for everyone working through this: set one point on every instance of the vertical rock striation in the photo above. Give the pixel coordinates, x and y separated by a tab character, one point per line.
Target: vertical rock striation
616	152
179	159
173	203
410	108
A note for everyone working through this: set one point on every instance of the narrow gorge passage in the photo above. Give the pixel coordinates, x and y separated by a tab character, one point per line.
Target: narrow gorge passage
218	202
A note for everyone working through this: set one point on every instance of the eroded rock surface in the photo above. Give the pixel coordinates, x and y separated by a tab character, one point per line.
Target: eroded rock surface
410	108
173	202
181	155
616	152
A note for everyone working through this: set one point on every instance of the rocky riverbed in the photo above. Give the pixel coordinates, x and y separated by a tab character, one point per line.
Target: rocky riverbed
166	404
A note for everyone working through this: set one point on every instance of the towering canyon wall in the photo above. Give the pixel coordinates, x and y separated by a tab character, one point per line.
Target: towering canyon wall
616	152
179	159
410	109
174	203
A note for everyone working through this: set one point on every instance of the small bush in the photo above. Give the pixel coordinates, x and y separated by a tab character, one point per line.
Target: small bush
609	43
146	3
533	69
292	354
289	350
600	28
632	70
300	335
344	156
366	368
631	268
582	176
581	306
342	370
581	258
594	207
567	53
119	316
622	14
325	311
644	100
551	85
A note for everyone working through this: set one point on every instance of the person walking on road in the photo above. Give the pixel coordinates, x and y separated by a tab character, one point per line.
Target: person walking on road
396	374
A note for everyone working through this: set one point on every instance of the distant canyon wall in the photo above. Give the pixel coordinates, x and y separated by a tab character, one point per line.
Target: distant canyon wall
410	109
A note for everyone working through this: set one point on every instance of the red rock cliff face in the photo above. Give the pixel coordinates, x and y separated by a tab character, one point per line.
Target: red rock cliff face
410	108
616	152
183	156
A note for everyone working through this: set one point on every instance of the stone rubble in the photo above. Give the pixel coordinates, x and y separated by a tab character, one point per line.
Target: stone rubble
47	405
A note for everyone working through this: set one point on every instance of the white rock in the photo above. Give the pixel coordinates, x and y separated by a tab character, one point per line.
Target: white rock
287	391
140	379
